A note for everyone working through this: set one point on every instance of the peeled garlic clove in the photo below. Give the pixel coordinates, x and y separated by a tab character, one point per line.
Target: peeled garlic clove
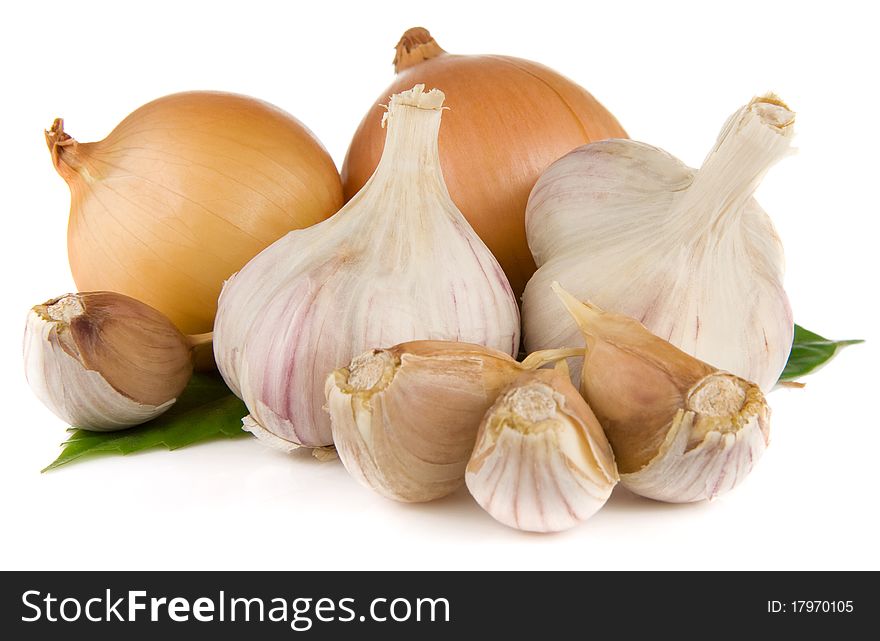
405	419
397	263
681	430
103	361
541	461
689	253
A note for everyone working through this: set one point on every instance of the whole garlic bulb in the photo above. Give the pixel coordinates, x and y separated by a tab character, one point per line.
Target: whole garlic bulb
681	430
399	262
541	461
103	361
688	253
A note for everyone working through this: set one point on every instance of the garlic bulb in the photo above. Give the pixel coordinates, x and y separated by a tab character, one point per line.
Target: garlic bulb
688	253
405	419
103	361
398	262
541	461
681	430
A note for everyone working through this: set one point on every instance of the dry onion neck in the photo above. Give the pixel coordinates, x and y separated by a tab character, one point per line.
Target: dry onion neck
416	45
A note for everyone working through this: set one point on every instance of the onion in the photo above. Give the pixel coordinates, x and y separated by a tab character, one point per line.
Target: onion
184	192
508	120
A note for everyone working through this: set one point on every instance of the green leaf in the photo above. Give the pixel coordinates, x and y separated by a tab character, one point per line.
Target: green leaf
809	352
205	410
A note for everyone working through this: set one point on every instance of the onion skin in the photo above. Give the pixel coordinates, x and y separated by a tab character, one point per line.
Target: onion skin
103	361
184	192
492	151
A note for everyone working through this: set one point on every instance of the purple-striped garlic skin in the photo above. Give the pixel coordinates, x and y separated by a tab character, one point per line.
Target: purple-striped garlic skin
399	262
681	429
541	462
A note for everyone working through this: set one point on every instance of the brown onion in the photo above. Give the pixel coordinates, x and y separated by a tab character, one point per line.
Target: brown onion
508	120
184	192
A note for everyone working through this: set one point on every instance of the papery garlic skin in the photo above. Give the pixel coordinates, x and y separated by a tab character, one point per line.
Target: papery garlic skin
404	419
541	461
76	395
689	253
399	262
681	430
102	361
696	461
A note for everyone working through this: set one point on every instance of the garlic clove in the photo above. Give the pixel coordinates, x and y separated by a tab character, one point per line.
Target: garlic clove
681	430
404	419
711	445
103	361
689	253
541	461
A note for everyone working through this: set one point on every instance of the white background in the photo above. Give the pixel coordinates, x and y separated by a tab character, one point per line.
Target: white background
671	72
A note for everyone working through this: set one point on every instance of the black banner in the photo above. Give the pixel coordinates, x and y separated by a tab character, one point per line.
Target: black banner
285	605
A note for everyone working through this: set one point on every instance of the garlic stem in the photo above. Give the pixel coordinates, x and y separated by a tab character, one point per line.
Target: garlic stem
410	162
752	141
